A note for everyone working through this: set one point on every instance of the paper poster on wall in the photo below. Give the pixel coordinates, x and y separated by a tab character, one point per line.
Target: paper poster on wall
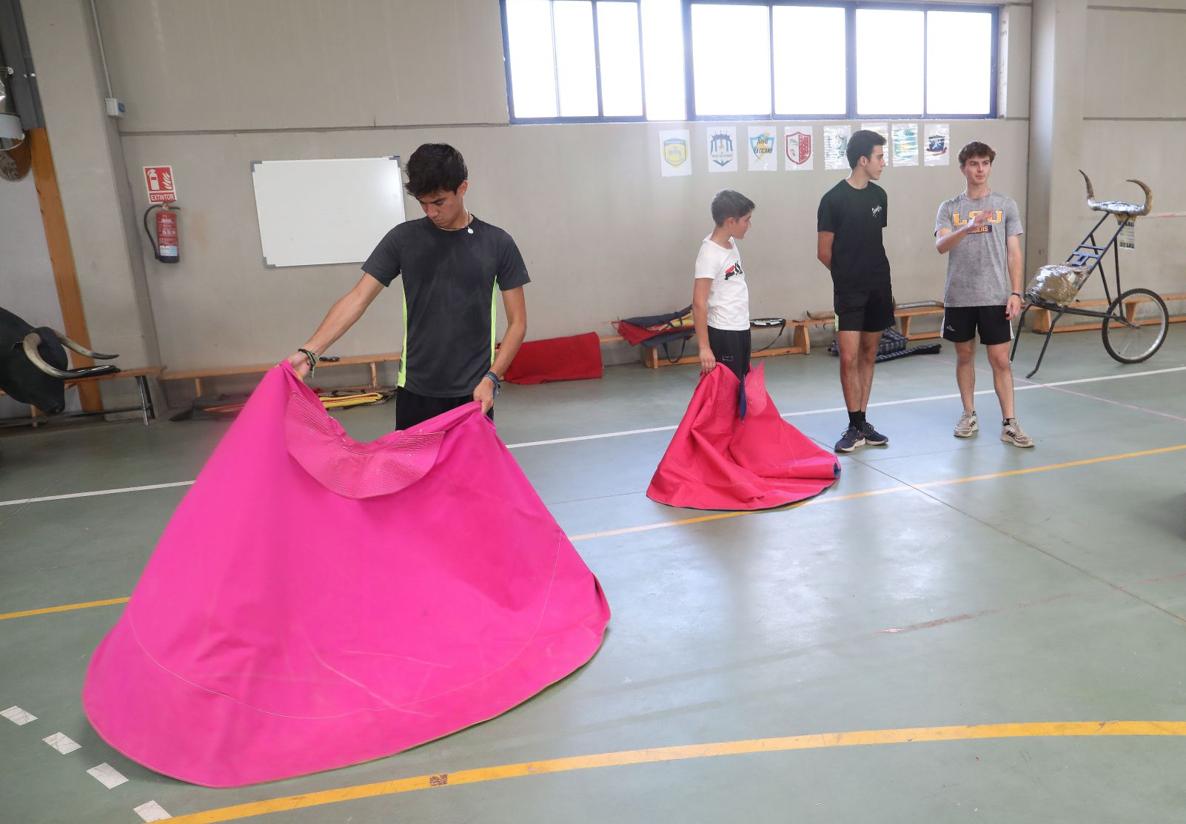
905	144
883	130
674	156
722	148
938	144
763	141
798	148
836	146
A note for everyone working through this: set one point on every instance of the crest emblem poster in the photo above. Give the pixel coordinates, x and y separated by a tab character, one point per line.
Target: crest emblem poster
762	148
937	146
799	148
722	148
674	157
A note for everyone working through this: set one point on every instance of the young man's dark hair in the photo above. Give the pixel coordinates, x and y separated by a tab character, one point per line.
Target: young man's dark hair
976	149
861	144
435	167
728	203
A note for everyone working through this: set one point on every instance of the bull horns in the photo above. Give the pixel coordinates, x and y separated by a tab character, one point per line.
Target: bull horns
33	340
1119	207
82	350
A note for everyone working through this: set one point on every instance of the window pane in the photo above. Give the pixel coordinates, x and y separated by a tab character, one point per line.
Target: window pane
663	57
809	70
731	59
964	40
533	68
889	62
621	64
576	70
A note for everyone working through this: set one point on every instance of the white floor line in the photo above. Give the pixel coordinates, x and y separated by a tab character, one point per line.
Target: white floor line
70	495
627	432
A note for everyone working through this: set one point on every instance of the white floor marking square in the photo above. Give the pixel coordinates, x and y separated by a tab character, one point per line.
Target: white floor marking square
62	743
107	775
18	716
151	811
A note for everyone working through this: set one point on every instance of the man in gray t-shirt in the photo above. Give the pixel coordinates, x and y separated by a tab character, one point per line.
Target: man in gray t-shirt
980	232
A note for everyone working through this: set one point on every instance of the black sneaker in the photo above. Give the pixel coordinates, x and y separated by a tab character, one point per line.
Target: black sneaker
872	436
850	440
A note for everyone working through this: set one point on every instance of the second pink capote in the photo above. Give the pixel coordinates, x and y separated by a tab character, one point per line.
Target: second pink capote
717	460
316	601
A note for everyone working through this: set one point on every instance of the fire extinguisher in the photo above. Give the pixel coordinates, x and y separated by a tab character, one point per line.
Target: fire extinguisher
165	246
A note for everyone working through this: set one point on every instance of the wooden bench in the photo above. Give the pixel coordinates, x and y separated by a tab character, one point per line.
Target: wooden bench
904	316
199	375
800	345
140	375
1043	317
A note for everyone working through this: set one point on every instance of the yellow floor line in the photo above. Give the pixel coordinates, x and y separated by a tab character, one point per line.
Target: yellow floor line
719	516
826	498
7	616
684	753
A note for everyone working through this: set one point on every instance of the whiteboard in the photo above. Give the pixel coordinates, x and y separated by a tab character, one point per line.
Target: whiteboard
315	212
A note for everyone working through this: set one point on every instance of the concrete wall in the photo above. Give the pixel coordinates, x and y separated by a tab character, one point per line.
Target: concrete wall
212	86
26	277
88	156
1103	101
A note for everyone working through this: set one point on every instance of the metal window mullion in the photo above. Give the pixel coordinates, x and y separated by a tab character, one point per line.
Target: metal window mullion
770	24
597	59
555	58
926	78
642	65
850	61
689	79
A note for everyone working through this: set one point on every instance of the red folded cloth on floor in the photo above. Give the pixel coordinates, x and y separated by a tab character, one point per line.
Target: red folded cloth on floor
717	460
573	358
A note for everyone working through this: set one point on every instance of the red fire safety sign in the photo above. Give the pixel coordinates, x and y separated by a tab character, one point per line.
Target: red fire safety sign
158	181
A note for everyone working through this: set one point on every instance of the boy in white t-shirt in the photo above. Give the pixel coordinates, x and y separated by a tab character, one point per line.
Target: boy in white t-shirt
720	297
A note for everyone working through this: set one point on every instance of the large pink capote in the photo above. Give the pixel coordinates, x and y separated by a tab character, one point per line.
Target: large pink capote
717	460
316	602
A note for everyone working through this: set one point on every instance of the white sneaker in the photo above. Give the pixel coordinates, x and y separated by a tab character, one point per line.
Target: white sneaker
1011	433
968	425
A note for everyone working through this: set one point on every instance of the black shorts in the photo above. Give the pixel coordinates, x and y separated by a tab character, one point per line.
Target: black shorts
961	322
864	310
411	409
731	348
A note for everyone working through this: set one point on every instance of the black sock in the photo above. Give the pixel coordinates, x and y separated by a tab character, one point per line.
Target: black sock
856	419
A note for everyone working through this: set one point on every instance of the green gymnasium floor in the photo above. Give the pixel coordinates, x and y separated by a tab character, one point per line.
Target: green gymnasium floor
941	585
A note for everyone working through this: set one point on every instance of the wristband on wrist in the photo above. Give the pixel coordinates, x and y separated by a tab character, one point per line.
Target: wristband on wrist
494	379
1016	293
310	358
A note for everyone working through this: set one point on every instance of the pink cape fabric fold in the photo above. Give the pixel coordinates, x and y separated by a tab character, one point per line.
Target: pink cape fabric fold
316	602
719	461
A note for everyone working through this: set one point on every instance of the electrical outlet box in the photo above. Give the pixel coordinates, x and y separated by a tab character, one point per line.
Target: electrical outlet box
115	107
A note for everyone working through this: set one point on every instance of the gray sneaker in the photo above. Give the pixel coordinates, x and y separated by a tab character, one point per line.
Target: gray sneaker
968	425
1011	433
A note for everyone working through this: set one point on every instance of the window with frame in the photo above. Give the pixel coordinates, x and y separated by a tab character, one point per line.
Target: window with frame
592	60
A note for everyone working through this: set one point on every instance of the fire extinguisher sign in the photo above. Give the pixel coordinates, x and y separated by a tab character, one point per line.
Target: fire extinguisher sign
158	182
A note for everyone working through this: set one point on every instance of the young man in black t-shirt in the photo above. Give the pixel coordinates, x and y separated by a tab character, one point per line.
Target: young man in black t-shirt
453	267
851	216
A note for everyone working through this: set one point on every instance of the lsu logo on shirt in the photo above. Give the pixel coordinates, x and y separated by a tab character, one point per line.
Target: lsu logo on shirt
959	220
735	269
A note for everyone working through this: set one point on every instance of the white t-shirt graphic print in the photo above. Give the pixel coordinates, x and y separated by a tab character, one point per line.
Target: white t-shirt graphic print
728	299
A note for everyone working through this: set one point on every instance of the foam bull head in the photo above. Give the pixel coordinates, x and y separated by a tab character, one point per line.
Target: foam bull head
33	364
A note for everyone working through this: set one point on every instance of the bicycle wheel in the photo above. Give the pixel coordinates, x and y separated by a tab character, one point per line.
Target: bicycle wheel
1136	325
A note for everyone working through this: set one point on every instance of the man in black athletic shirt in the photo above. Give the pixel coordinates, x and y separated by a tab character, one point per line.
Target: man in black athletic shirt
453	266
851	216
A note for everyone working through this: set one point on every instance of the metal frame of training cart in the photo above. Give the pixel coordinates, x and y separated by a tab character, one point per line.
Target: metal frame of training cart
1136	321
